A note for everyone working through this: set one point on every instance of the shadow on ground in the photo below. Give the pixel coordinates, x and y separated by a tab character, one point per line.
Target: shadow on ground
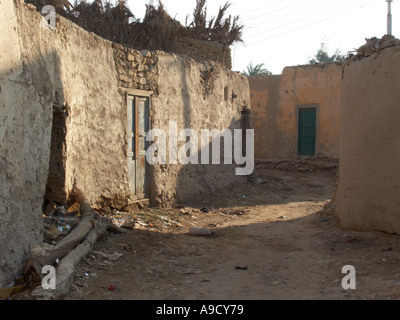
282	247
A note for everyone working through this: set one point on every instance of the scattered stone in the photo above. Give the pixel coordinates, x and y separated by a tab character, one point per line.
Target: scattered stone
195	231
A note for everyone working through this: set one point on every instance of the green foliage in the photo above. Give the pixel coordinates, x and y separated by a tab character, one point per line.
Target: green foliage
323	56
257	70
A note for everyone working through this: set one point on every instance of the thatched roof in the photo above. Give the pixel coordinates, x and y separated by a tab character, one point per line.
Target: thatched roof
157	31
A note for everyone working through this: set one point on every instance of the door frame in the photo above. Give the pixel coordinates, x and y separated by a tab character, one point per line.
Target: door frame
132	94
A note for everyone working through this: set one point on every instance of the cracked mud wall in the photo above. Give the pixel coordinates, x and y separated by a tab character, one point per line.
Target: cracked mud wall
95	111
197	96
27	92
42	70
80	78
368	196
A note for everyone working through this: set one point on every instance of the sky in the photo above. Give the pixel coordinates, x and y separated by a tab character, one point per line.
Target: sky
283	33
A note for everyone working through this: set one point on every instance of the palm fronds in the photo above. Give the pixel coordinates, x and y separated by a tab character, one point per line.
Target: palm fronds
157	31
257	70
221	29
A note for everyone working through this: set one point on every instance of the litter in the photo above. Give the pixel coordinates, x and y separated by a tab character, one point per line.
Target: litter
53	232
111	287
205	210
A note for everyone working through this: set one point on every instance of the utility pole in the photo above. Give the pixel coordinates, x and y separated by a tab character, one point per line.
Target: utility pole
389	17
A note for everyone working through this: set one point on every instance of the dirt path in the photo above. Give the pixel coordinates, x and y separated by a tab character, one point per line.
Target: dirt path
275	244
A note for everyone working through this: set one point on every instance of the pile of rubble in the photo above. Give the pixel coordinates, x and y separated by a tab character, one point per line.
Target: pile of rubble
302	165
374	45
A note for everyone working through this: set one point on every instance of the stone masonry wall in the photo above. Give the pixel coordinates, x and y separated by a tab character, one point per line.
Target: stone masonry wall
136	69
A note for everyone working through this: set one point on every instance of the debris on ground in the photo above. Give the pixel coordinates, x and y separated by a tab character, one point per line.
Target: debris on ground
111	287
69	236
234	212
109	257
241	268
306	164
196	231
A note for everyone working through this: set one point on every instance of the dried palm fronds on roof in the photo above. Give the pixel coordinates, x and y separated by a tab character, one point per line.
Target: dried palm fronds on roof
217	29
106	20
157	31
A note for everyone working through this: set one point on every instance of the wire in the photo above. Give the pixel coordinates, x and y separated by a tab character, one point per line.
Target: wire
302	27
296	12
298	20
257	9
280	9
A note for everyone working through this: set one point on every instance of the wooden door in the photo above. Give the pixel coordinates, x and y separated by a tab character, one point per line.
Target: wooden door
138	126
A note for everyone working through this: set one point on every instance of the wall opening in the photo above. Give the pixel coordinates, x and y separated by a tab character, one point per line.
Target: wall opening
55	187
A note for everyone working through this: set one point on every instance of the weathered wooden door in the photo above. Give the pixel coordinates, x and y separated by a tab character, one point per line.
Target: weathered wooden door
138	126
307	130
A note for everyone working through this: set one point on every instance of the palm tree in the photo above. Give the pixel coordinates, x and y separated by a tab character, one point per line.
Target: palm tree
257	70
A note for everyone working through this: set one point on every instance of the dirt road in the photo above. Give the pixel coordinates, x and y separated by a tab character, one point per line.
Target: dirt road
270	241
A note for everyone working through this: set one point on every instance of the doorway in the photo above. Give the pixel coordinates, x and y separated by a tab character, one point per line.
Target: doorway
307	131
138	125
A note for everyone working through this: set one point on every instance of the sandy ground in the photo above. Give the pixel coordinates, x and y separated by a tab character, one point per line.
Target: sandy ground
269	241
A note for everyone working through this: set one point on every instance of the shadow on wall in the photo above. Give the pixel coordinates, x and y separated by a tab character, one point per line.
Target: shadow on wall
206	176
55	187
31	91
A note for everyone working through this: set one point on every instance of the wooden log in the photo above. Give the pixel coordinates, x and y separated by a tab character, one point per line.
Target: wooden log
69	251
66	269
33	266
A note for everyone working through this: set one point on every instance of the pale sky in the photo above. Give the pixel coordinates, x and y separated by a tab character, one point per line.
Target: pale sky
283	33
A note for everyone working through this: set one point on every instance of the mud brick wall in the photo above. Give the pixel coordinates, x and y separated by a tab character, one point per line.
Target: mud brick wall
63	122
27	75
368	195
275	102
196	96
204	51
40	70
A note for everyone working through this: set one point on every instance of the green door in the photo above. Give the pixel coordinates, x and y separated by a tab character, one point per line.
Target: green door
307	125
